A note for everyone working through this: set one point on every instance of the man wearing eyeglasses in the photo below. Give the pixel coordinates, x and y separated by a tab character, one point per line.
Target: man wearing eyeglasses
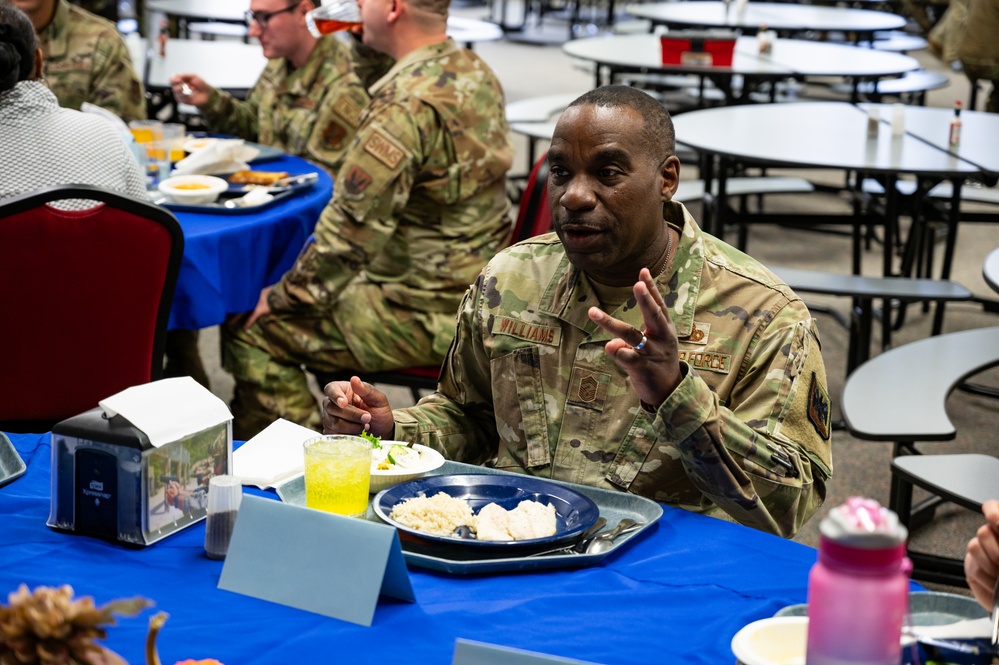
418	209
308	100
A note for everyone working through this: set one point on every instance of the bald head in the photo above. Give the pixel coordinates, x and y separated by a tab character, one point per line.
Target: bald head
659	134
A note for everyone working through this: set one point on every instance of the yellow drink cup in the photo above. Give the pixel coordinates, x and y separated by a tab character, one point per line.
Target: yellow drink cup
146	131
337	474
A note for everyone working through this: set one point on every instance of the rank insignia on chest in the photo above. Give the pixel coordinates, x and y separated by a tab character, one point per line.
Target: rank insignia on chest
588	389
699	333
819	408
531	332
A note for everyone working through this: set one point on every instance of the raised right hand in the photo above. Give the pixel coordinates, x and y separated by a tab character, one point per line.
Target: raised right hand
351	407
196	92
981	563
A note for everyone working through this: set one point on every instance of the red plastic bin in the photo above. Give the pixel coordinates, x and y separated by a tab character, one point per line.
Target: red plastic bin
710	49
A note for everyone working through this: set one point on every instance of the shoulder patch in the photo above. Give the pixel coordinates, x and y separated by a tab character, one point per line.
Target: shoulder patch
334	134
819	408
384	149
346	109
357	180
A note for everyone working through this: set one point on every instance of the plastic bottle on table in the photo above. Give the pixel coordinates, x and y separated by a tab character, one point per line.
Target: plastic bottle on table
955	126
858	591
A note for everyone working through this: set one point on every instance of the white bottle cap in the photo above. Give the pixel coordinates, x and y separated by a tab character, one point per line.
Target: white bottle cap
863	522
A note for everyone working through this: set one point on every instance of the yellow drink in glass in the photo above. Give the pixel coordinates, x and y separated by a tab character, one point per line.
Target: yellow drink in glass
337	474
146	131
142	134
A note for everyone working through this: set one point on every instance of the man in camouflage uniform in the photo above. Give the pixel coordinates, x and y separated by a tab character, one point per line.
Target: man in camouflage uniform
104	8
85	59
704	388
308	100
419	208
979	48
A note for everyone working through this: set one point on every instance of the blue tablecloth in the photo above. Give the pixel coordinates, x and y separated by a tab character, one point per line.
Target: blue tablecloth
677	595
229	258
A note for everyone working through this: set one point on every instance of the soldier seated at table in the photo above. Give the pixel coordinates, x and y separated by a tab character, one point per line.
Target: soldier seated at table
418	209
629	349
85	59
308	100
44	144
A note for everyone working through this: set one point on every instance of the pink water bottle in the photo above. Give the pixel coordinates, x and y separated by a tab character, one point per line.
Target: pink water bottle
858	591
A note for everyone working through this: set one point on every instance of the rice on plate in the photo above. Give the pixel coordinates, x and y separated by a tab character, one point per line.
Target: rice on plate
442	513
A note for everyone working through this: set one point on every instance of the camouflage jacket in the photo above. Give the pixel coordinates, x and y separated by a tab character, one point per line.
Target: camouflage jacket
86	60
420	203
528	387
978	49
370	64
311	112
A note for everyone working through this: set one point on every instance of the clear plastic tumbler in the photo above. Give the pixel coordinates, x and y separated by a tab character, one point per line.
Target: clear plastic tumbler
225	493
333	16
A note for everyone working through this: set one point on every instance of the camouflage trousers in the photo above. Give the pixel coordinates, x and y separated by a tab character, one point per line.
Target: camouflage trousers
364	333
976	72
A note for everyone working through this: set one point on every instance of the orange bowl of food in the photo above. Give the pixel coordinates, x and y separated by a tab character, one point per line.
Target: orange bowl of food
193	189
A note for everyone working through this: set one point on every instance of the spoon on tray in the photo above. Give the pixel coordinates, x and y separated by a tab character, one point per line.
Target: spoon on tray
605	541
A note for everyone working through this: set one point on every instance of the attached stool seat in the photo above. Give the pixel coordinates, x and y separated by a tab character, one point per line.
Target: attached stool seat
967	480
901	396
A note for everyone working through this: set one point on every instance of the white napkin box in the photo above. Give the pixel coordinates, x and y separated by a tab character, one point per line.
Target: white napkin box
110	481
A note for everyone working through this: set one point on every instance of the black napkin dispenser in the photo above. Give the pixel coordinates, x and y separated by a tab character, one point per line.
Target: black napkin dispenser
109	481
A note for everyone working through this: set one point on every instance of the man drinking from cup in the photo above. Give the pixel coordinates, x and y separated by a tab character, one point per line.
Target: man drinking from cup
419	207
308	100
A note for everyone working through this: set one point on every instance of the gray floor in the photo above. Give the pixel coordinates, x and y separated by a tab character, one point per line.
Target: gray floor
861	468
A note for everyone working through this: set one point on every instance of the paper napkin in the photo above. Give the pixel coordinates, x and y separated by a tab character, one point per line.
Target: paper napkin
274	456
169	409
221	156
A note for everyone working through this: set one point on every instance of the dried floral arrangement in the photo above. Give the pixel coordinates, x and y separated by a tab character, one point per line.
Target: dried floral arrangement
48	627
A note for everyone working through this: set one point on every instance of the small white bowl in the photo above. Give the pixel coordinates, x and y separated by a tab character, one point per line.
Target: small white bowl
193	189
773	641
383	479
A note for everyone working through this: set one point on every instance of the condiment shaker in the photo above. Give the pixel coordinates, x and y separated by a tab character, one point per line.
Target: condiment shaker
224	496
858	591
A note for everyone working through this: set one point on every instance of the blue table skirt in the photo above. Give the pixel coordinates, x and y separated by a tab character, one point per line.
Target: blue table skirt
677	595
229	258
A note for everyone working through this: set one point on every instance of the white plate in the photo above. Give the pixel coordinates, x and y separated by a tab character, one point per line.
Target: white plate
383	479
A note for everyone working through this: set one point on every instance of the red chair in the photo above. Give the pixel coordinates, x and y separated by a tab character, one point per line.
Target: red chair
534	217
85	296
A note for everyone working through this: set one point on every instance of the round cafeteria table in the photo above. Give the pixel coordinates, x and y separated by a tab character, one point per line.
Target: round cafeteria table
786	18
230	256
833	135
789	58
678	594
463	30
